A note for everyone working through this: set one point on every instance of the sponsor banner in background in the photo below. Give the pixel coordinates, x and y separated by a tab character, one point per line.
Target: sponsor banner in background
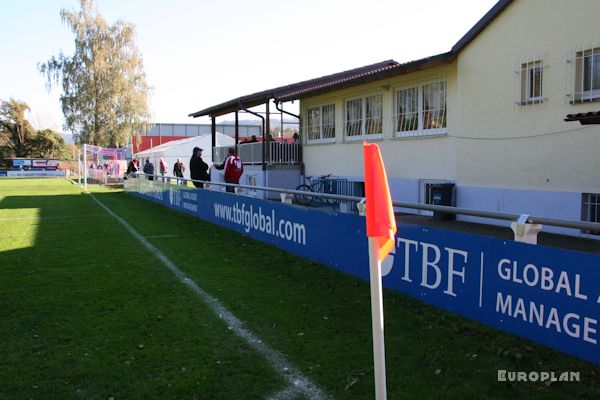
21	163
44	163
34	174
2	173
549	295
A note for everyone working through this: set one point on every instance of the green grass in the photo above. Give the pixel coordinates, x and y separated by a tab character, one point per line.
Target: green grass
87	312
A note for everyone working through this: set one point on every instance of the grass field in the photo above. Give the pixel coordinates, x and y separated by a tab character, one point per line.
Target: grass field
86	311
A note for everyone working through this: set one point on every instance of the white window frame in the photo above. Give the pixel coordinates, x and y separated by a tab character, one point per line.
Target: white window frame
594	92
420	131
590	210
363	118
320	125
525	82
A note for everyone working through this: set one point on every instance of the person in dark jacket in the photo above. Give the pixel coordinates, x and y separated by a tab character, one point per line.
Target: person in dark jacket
132	168
198	168
178	170
149	170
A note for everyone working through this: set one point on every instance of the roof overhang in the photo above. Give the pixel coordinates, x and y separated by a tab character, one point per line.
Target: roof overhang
263	97
354	77
589	118
300	92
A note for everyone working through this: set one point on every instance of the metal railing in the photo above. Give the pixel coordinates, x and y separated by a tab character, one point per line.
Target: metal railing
591	226
283	153
278	153
251	153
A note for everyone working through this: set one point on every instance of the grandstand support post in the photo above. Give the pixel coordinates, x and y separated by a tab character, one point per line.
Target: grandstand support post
213	133
85	168
237	131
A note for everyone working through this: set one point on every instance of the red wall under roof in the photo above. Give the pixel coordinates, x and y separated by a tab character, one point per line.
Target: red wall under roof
148	142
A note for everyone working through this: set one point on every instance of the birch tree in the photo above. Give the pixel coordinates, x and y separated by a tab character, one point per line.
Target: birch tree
104	91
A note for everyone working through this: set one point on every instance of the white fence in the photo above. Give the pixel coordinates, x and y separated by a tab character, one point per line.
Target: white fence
278	153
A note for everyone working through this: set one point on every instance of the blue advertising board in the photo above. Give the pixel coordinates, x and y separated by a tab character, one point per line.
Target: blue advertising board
549	295
21	163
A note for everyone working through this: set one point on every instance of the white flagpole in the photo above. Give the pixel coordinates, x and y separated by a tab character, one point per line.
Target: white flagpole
377	321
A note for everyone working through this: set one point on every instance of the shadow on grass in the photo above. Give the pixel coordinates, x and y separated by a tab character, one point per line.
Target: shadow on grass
87	313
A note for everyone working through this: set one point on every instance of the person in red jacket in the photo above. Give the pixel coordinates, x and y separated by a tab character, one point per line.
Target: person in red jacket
162	168
234	168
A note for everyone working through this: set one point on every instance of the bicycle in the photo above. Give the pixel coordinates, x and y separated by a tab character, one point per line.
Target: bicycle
314	185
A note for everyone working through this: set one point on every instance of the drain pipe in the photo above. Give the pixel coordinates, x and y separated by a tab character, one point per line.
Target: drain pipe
253	113
241	106
285	112
281	110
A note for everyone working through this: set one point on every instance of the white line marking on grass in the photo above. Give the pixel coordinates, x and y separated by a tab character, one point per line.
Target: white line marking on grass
287	393
298	383
160	236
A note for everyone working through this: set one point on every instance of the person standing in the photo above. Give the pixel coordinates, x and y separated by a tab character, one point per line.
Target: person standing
162	167
178	170
149	170
132	168
234	168
198	168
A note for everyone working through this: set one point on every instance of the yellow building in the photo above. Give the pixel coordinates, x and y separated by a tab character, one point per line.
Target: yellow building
488	116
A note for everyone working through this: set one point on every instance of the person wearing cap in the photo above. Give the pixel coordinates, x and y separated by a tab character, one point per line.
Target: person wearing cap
198	168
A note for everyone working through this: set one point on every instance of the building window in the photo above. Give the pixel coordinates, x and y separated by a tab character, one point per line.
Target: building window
421	111
531	82
373	117
328	122
587	75
407	110
314	124
364	118
590	209
321	124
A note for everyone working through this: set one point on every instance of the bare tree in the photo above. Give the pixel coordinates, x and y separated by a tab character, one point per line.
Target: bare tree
105	95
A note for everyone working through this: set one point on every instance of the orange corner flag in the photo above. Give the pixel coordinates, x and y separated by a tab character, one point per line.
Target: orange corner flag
381	223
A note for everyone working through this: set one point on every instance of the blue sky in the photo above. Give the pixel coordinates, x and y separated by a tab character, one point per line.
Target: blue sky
200	53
